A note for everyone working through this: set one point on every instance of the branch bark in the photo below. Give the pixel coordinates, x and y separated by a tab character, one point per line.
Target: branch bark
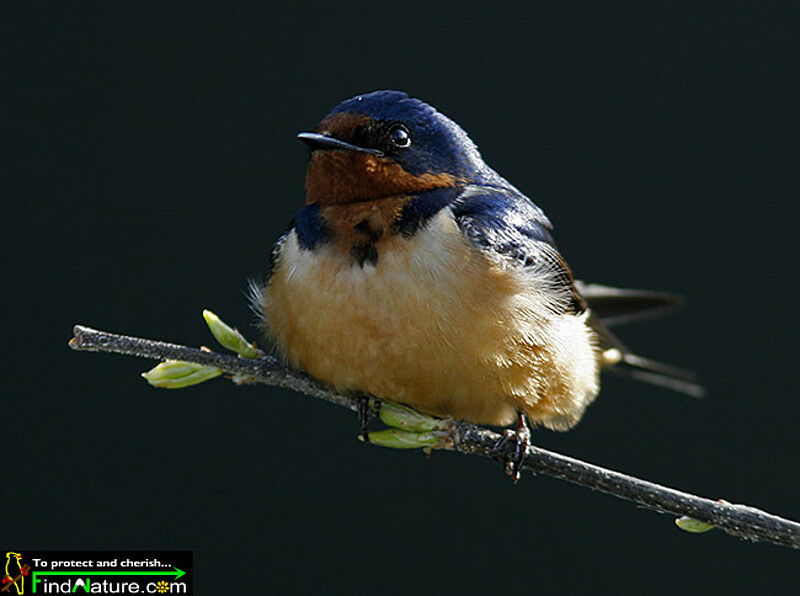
738	520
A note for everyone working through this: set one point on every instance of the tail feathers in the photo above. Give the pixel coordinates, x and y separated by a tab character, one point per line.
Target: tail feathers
660	374
614	306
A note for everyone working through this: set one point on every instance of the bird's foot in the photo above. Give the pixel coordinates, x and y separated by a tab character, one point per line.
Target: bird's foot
366	408
519	440
409	429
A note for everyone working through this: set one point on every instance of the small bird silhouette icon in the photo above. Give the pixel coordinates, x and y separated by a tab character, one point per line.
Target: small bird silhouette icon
15	573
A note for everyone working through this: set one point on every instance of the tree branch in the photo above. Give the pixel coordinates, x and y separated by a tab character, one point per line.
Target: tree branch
737	520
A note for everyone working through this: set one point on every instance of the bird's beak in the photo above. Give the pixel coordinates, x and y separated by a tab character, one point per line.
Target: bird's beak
318	141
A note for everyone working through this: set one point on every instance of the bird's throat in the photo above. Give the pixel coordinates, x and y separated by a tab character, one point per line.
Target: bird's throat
344	177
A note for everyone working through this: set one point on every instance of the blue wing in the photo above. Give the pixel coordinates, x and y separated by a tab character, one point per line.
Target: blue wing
505	222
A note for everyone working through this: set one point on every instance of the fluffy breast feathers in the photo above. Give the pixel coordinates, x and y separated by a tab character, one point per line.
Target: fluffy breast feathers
437	323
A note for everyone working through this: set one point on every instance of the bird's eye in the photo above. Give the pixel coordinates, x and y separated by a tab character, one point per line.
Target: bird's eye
399	136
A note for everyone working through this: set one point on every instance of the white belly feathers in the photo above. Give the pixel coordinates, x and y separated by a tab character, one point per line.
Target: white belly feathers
436	324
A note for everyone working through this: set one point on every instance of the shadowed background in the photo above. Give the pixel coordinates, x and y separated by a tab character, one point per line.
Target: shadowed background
154	165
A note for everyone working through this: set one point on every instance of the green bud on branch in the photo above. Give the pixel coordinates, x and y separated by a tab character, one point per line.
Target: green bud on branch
695	526
402	439
176	374
230	337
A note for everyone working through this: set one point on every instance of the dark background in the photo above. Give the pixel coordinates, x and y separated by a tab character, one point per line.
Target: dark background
154	164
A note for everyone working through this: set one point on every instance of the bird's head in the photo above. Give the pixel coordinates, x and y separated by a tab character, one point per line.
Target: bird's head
386	144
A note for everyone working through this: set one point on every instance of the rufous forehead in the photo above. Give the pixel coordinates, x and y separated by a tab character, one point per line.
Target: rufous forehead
342	124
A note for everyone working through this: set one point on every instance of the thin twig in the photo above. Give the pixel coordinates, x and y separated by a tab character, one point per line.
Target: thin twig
737	520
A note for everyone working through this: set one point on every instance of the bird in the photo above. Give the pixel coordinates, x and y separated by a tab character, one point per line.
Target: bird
15	572
416	273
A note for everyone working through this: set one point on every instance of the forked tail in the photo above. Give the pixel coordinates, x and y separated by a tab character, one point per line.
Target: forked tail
614	306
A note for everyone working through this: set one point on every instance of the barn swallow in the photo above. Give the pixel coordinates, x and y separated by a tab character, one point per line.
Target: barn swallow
417	274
